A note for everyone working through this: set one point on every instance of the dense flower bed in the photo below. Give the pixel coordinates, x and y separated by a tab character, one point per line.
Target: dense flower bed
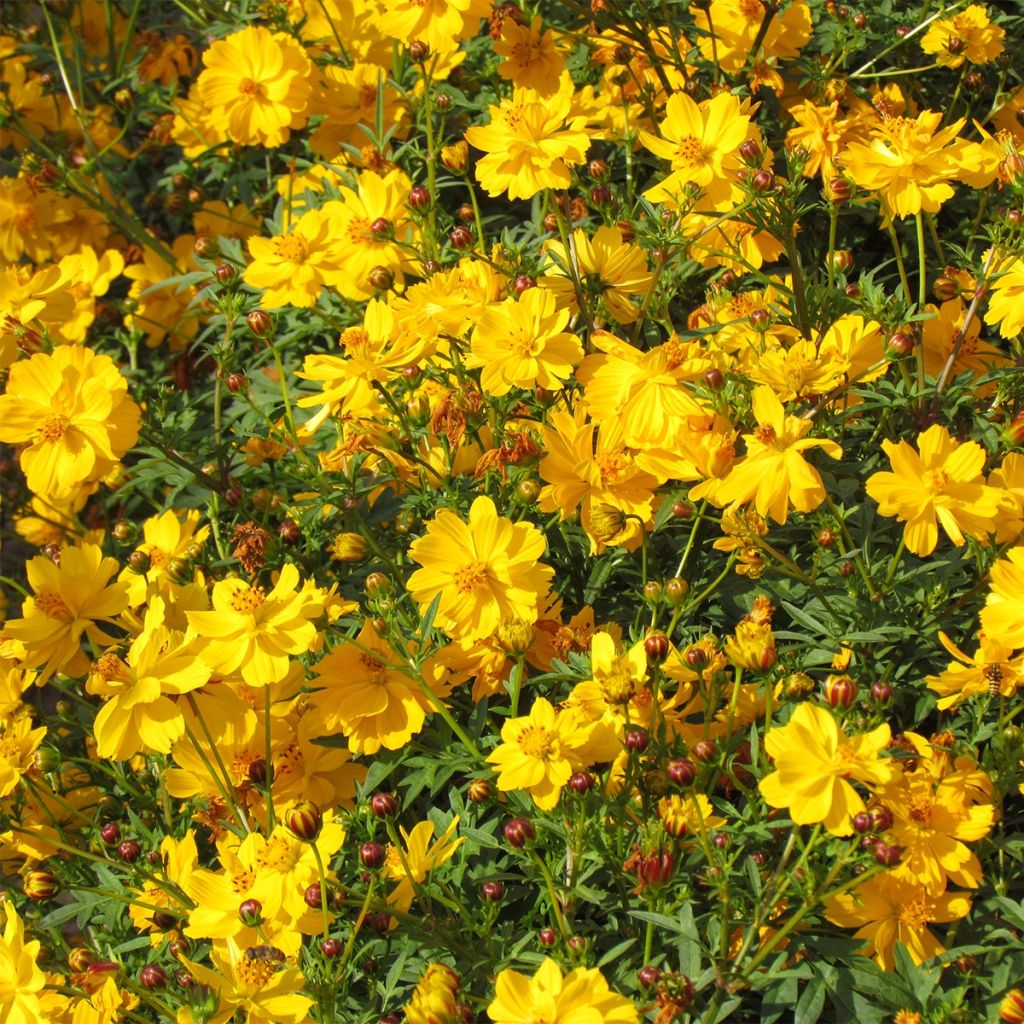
511	513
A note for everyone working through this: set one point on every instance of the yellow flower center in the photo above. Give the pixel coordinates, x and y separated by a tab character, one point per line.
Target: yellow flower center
256	973
53	429
278	855
51	604
291	248
25	216
470	577
246	600
613	467
522	342
935	480
617	687
242	881
914	913
247	87
921	810
372	665
111	667
536	741
691	151
156	556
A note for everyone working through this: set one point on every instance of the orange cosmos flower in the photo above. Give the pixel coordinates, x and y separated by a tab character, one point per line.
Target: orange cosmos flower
72	412
942	482
484	571
256	86
530	143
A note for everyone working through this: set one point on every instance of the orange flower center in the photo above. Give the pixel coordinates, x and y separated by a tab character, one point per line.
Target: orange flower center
247	87
522	342
766	434
752	9
914	913
25	216
51	604
613	466
53	429
246	600
111	667
278	855
536	741
469	577
291	248
935	480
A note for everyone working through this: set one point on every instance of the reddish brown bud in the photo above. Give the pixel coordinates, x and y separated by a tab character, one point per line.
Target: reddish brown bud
419	198
881	692
236	382
703	750
581	782
461	238
547	937
129	850
492	891
518	832
656	647
110	834
636	740
523	283
39	885
681	771
384	804
152	976
371	855
260	323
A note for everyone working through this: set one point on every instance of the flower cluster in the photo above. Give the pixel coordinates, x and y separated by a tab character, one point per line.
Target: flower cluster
511	515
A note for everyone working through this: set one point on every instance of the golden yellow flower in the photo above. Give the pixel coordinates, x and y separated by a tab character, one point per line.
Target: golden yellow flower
255	86
967	35
72	412
484	572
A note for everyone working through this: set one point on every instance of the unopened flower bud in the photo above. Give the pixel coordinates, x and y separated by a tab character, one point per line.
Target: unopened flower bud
581	782
39	885
152	976
304	820
384	804
838	190
260	323
461	238
881	692
681	771
479	791
547	937
250	913
656	647
518	832
492	891
840	691
380	279
129	850
418	198
371	855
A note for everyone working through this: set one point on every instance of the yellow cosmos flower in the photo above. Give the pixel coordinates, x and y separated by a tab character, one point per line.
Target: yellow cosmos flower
165	537
21	980
933	820
909	162
885	910
252	632
438	23
592	470
942	482
72	412
610	268
139	713
292	268
435	997
581	995
371	228
163	310
813	760
367	696
1002	618
418	859
530	143
485	571
521	343
68	600
735	24
774	475
538	753
642	391
255	86
991	670
262	986
18	743
701	143
1006	301
977	39
530	56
